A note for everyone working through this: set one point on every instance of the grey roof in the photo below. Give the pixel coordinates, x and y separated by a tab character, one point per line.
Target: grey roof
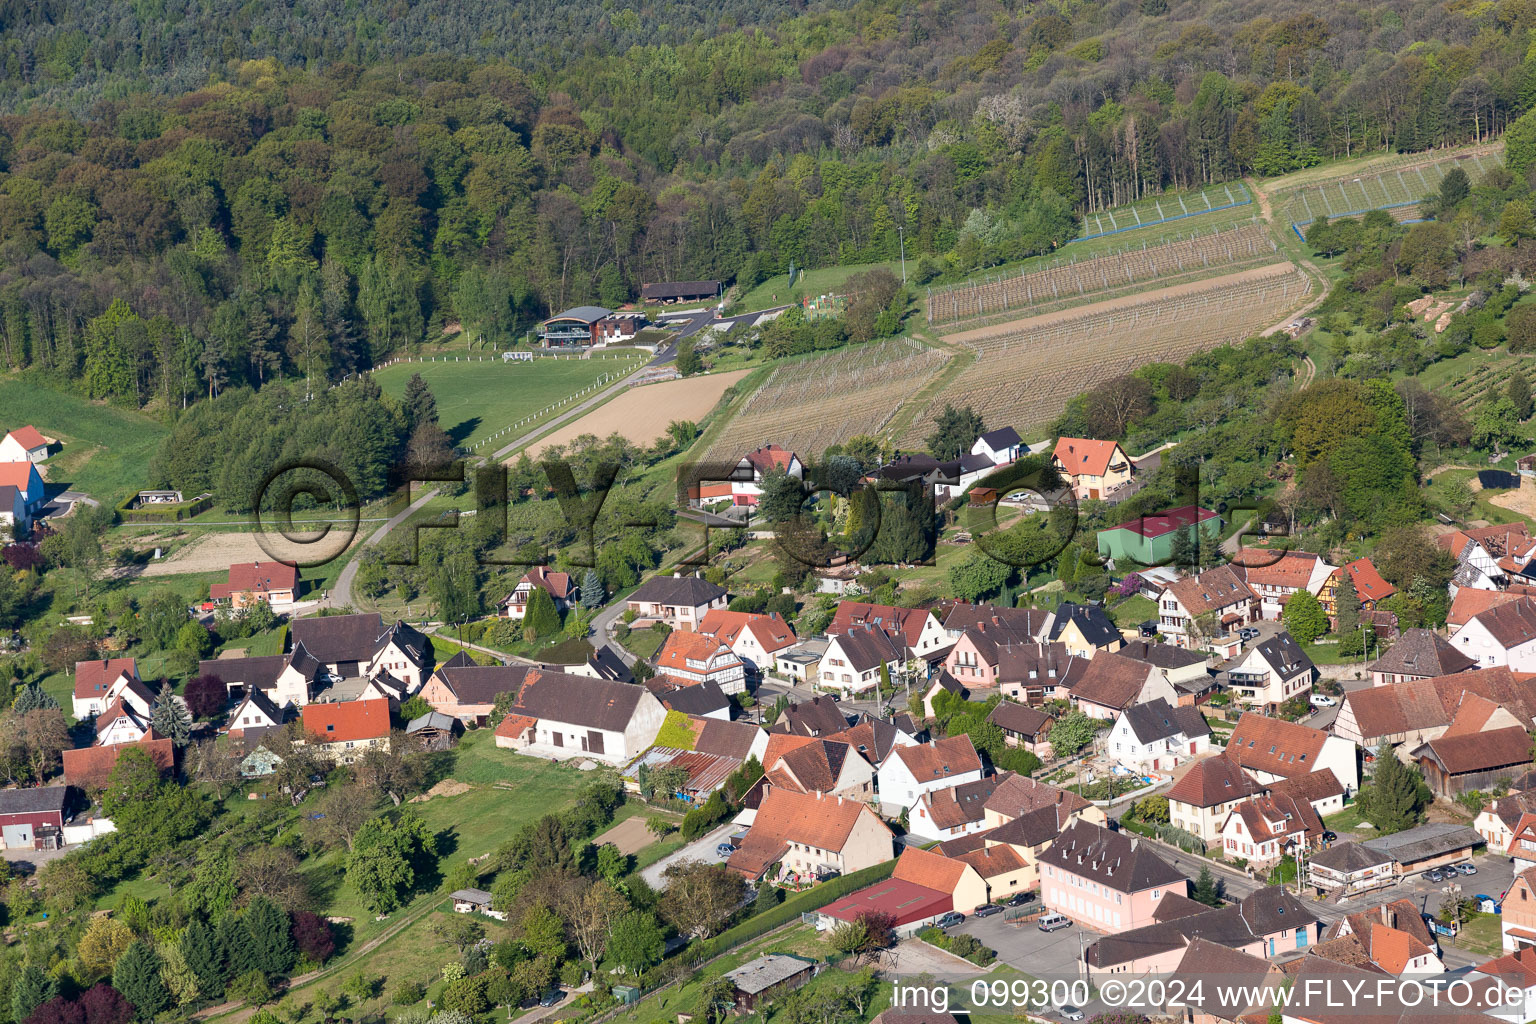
1432	840
10	497
699	699
1158	720
586	314
767	971
1163	656
408	638
264	705
868	647
1002	437
481	684
1019	718
1285	655
678	590
1092	621
252	673
334	639
672	289
1112	859
1256	915
33	801
608	665
819	716
479	896
459	660
1422	652
579	700
432	720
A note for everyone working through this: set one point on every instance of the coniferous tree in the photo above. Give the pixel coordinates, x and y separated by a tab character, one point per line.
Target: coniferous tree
271	937
418	403
1396	796
169	717
137	977
592	593
33	987
1518	391
1207	889
1346	603
237	953
200	948
541	619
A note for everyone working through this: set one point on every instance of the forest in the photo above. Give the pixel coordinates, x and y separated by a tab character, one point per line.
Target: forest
194	196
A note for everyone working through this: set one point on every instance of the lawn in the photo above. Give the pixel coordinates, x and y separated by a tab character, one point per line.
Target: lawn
776	291
643	643
1133	611
1346	820
1480	934
105	450
478	399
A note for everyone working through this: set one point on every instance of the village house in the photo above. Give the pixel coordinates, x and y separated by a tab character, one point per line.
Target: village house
15	521
344	730
746	483
1019	795
1201	800
854	659
1084	629
876	738
1007	855
1423	709
271	583
1024	726
89	768
1187	670
1263	829
912	771
1481	553
361	646
1269	673
799	662
1274	576
469	692
1149	539
1502	817
1469	602
811	836
941	683
29	486
1106	881
704	700
1093	469
758	981
689	659
1472	756
1347	869
679	601
1241	986
1112	683
24	444
1514	997
965	887
819	716
95	681
1271	749
574	716
1418	654
954	811
254	715
914	629
122	722
755	638
1027	670
558	585
1157	736
800	764
1266	923
958	617
1517	923
33	819
1504	635
287	680
1001	446
1195	609
1370	588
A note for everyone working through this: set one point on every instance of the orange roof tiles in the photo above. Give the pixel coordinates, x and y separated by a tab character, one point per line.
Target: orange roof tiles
1368	582
946	758
928	869
991	861
29	437
1293	569
1081	456
94	678
1391	950
1275	746
682	647
772	632
257	578
17	475
347	721
513	726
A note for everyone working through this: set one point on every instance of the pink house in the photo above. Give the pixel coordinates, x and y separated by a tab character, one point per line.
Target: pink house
1106	881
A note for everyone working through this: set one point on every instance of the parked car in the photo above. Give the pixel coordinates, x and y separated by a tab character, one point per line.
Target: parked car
552	997
988	910
1054	922
1329	835
1322	700
1434	875
1247	633
1147	629
1466	869
951	919
1070	1013
725	849
1020	899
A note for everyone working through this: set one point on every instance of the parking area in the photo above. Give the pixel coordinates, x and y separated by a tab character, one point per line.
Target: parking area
705	850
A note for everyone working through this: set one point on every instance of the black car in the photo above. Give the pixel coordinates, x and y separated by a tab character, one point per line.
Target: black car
1329	835
989	910
1147	629
1021	898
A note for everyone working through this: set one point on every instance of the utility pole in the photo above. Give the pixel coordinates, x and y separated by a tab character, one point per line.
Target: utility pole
902	238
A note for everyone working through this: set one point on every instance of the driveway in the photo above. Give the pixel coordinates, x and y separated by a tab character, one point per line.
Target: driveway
702	850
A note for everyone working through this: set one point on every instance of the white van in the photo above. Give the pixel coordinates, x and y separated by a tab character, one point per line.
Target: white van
1053	922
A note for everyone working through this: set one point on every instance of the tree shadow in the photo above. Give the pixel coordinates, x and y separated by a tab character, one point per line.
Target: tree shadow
460	432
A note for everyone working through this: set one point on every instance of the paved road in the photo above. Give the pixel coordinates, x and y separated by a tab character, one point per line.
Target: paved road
341	596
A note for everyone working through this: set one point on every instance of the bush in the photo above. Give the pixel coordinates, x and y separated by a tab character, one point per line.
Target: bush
408	993
792	907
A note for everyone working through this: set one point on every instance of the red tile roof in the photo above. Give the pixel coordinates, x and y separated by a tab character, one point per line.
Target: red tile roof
1081	456
349	720
1368	582
16	474
29	437
930	870
823	822
946	758
94	678
770	456
557	584
513	726
89	767
1213	782
257	578
772	632
682	646
906	623
1274	746
1293	569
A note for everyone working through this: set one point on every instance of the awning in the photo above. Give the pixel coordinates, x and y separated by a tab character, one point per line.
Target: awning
1521	933
1231	617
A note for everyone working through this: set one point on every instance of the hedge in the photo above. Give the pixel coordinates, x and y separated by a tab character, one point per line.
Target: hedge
789	910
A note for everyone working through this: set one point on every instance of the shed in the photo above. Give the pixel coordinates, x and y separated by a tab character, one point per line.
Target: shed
474	901
1427	846
758	981
434	730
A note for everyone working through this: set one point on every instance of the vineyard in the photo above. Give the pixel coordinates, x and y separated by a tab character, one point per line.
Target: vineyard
1389	187
808	405
1163	208
1476	385
1026	371
1230	248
